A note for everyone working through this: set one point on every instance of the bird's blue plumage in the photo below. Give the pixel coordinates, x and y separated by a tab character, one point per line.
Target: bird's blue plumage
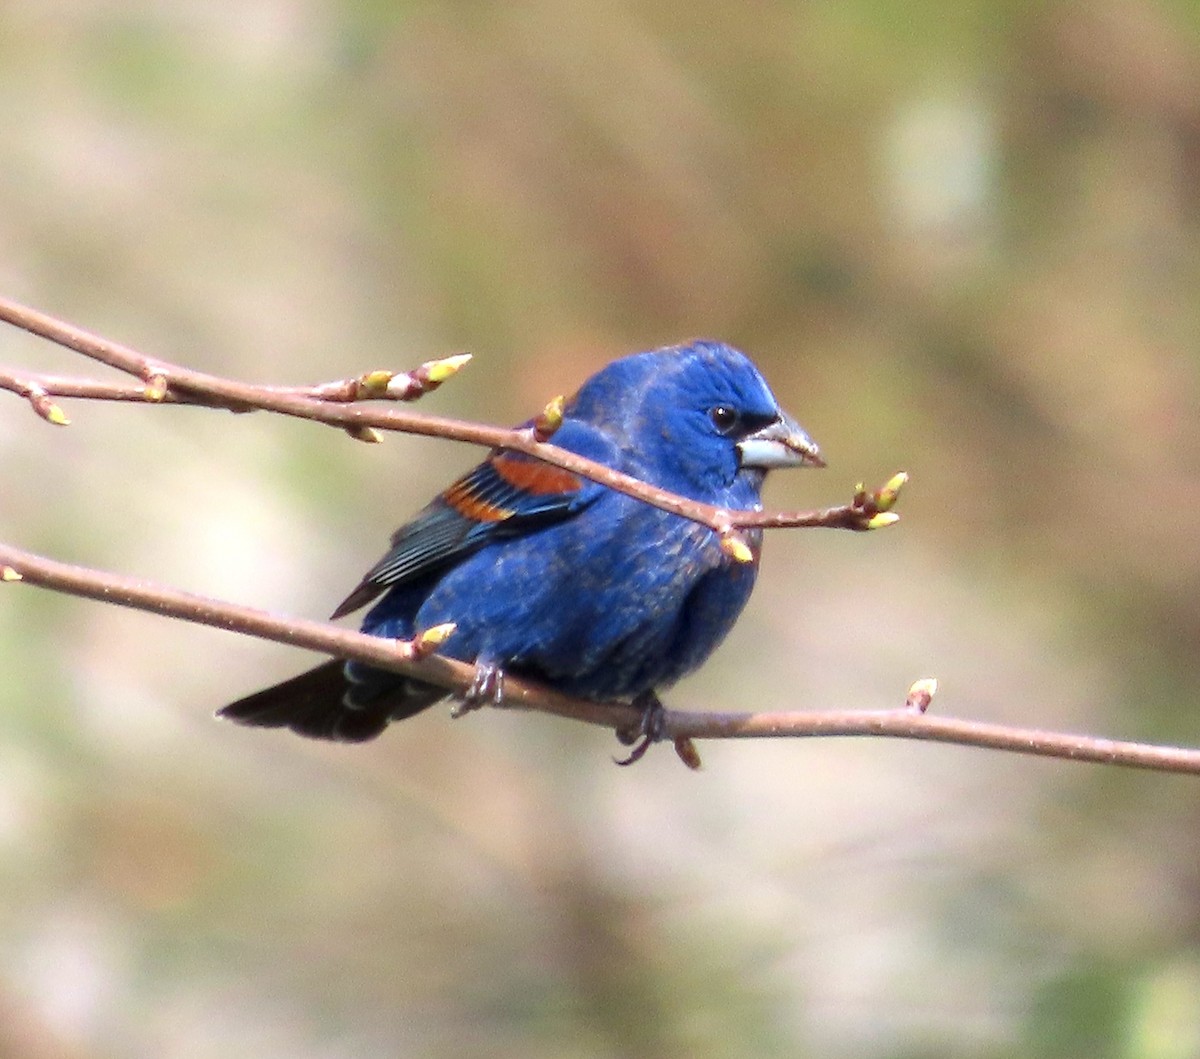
546	574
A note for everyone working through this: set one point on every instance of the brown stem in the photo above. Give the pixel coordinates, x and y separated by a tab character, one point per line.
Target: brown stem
17	567
163	381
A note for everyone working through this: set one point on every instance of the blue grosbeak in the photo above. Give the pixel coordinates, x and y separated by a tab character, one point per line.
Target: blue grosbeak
551	576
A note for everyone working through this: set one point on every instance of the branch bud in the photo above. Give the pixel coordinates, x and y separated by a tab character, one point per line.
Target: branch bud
368	434
882	520
155	389
921	694
886	498
438	371
545	426
375	383
431	639
688	754
734	545
8	574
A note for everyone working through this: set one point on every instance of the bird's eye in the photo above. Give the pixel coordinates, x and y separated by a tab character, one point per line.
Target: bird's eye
724	418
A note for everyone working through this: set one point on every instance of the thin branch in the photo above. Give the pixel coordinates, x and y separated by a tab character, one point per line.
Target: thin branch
17	567
21	567
334	403
905	723
374	386
23	383
163	382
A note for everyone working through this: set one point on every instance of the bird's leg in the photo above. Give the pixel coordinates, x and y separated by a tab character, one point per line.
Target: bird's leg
487	689
648	731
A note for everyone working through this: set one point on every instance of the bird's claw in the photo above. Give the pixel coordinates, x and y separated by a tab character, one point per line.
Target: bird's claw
649	730
487	689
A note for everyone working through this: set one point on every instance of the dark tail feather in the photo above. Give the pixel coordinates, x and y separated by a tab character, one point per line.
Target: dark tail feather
324	704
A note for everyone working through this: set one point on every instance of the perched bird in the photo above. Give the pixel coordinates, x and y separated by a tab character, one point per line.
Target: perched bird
548	575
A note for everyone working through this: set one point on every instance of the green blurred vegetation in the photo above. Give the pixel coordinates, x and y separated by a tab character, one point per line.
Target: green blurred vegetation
962	239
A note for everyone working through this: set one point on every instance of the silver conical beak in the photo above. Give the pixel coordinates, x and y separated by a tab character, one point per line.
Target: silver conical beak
783	443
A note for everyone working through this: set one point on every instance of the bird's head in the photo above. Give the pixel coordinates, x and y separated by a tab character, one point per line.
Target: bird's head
697	419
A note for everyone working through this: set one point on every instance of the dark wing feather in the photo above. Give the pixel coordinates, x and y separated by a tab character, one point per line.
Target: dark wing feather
434	537
506	495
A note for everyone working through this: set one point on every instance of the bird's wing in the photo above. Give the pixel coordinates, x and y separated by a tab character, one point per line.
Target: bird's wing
505	496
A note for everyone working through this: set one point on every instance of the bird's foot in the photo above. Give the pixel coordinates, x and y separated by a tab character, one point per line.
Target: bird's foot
487	689
648	731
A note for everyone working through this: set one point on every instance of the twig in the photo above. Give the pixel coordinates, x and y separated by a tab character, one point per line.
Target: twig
163	382
908	722
21	567
334	403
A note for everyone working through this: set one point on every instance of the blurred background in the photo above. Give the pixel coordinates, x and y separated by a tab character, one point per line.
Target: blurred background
962	239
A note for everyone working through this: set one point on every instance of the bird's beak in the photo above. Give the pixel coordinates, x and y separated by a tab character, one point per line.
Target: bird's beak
780	444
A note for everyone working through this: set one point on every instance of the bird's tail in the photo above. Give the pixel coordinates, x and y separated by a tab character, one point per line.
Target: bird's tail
326	704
